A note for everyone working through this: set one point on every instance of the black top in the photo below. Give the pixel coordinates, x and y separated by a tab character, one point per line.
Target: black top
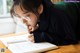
59	23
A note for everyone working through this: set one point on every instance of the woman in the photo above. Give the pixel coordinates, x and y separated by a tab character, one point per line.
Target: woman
49	22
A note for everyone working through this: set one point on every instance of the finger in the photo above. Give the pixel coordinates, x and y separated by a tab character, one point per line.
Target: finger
31	38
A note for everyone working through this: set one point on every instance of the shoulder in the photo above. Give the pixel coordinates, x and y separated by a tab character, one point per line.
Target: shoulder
66	9
64	5
64	14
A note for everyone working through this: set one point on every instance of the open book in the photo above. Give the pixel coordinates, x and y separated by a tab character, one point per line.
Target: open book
19	44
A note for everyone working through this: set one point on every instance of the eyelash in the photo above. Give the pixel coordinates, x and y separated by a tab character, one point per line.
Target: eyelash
28	15
18	16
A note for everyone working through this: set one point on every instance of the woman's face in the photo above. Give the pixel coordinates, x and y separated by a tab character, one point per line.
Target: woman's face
28	18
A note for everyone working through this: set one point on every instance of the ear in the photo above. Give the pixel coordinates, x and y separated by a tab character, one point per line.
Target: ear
40	9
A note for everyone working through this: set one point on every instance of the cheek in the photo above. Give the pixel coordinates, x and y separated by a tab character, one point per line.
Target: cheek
34	20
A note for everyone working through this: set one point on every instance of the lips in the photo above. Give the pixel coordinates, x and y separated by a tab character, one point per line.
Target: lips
31	29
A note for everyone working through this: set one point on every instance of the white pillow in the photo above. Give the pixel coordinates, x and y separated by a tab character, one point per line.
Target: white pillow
20	27
7	26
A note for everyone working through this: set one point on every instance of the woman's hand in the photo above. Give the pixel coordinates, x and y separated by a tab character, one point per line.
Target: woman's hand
30	38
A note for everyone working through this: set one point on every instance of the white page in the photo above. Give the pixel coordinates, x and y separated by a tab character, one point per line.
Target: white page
11	39
19	44
28	47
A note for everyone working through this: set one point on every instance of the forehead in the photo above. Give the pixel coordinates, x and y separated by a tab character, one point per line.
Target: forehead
19	9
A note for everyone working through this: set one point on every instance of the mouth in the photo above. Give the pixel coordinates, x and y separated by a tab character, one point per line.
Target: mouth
31	29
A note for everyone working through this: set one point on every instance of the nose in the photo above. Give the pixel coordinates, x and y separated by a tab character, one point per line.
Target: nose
26	20
27	24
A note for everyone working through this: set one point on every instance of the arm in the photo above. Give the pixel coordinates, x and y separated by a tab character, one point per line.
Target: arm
61	30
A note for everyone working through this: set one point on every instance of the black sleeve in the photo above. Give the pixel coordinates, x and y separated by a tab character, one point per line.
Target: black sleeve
43	37
39	36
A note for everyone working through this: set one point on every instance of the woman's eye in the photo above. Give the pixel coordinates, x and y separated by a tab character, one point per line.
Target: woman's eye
18	16
28	15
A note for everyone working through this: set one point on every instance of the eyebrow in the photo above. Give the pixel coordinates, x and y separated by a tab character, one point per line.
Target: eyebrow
17	15
23	13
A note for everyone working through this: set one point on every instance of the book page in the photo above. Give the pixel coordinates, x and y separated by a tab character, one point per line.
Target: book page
14	39
29	47
19	44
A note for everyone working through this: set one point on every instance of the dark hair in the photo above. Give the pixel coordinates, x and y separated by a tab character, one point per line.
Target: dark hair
28	5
